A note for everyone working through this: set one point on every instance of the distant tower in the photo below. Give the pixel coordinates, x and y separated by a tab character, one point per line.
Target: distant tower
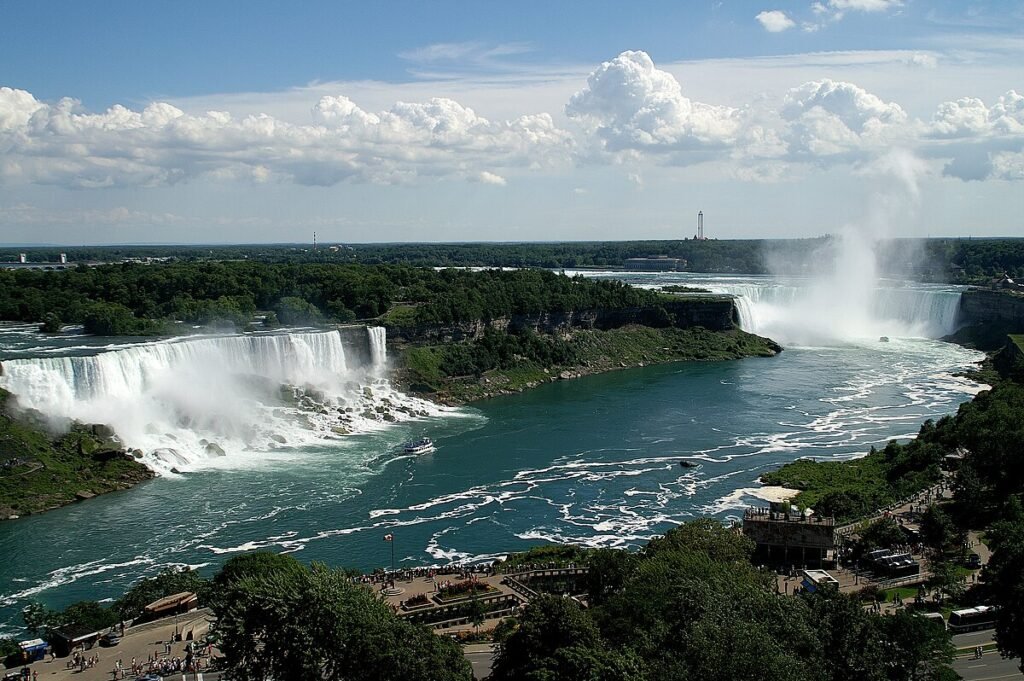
314	241
22	258
63	258
700	225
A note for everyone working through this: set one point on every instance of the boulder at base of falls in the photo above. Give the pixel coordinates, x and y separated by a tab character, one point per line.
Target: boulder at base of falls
214	449
340	430
82	495
137	453
102	430
280	439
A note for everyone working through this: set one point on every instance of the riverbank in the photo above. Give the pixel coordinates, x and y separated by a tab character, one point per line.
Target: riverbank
40	471
425	368
855	488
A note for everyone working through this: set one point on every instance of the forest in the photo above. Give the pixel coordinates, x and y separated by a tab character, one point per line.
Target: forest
954	260
137	299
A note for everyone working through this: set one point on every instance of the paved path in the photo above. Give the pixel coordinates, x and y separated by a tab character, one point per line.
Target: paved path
138	642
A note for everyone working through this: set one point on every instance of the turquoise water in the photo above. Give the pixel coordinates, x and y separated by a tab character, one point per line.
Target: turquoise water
593	461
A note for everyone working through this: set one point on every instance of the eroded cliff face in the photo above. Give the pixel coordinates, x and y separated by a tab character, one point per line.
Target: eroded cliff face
715	314
989	306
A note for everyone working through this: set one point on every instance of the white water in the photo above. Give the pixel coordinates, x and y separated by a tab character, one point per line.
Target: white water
800	312
218	401
378	348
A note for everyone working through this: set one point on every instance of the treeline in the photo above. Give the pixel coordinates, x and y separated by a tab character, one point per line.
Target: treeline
132	298
848	490
957	260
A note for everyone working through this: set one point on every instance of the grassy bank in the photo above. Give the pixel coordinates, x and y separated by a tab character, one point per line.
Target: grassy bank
39	471
464	372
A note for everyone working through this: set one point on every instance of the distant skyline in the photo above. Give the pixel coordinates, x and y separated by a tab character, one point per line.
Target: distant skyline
231	122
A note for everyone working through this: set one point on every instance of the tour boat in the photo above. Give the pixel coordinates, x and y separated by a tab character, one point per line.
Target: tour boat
421	446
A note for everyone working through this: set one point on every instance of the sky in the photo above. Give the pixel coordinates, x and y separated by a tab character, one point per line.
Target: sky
244	122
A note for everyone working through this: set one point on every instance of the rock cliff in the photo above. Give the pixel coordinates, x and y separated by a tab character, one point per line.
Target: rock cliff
715	313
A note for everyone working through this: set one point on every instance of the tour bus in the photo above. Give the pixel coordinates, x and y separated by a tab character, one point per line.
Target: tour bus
972	619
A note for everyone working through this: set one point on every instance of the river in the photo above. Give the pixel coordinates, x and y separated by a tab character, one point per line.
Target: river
593	461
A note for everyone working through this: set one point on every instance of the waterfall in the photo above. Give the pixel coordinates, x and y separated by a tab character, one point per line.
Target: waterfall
378	346
798	312
187	402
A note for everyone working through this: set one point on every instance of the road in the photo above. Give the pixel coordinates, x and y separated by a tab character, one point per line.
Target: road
990	667
480	656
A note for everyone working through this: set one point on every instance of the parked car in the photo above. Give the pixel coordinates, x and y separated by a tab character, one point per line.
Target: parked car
109	640
973	561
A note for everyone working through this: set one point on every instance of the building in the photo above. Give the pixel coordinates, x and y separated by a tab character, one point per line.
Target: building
22	258
784	535
175	604
657	263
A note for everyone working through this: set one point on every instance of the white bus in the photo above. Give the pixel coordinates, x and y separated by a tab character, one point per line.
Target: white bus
972	619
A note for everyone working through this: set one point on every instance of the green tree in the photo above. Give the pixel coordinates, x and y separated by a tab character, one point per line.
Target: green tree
939	532
1004	575
917	648
292	310
51	323
37	618
296	624
477	612
169	581
555	640
87	614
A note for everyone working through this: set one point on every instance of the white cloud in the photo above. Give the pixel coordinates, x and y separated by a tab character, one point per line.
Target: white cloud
490	178
981	141
775	21
864	5
630	105
159	145
970	117
1008	165
829	118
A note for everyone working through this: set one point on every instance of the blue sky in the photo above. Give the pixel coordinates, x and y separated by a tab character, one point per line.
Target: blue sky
531	120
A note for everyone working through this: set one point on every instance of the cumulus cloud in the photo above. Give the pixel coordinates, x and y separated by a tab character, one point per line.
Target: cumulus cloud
970	117
63	144
829	118
981	141
775	21
630	105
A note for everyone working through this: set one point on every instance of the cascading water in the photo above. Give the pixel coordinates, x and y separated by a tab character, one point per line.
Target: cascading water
187	403
798	311
378	347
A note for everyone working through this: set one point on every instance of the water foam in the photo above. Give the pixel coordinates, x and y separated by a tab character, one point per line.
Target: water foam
219	401
794	310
